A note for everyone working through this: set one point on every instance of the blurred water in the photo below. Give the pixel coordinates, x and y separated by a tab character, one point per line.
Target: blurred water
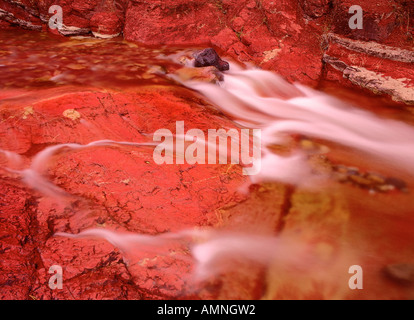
261	99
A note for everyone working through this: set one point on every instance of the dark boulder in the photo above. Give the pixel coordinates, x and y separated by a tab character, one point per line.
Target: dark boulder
209	57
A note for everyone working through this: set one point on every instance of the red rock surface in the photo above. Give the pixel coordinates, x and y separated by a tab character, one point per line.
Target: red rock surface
137	196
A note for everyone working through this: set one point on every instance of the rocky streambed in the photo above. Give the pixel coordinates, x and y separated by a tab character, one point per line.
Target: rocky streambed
75	117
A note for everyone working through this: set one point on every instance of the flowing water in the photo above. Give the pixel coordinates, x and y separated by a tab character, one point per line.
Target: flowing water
261	98
358	130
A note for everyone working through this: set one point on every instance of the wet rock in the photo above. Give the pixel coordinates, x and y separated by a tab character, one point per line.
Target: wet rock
313	147
206	74
402	273
106	25
360	180
376	178
368	180
397	183
385	187
209	57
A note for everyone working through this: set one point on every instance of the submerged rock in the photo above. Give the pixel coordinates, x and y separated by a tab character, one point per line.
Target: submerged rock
209	57
206	74
368	180
403	272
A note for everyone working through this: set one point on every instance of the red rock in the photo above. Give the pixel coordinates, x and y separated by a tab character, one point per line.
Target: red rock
315	8
116	188
120	188
156	22
106	24
383	21
17	245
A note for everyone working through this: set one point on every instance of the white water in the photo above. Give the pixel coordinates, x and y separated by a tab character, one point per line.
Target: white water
261	99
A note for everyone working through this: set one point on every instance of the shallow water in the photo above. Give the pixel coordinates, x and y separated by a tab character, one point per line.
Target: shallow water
36	60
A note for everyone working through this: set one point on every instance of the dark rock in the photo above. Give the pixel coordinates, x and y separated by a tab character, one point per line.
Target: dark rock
399	184
403	273
209	57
